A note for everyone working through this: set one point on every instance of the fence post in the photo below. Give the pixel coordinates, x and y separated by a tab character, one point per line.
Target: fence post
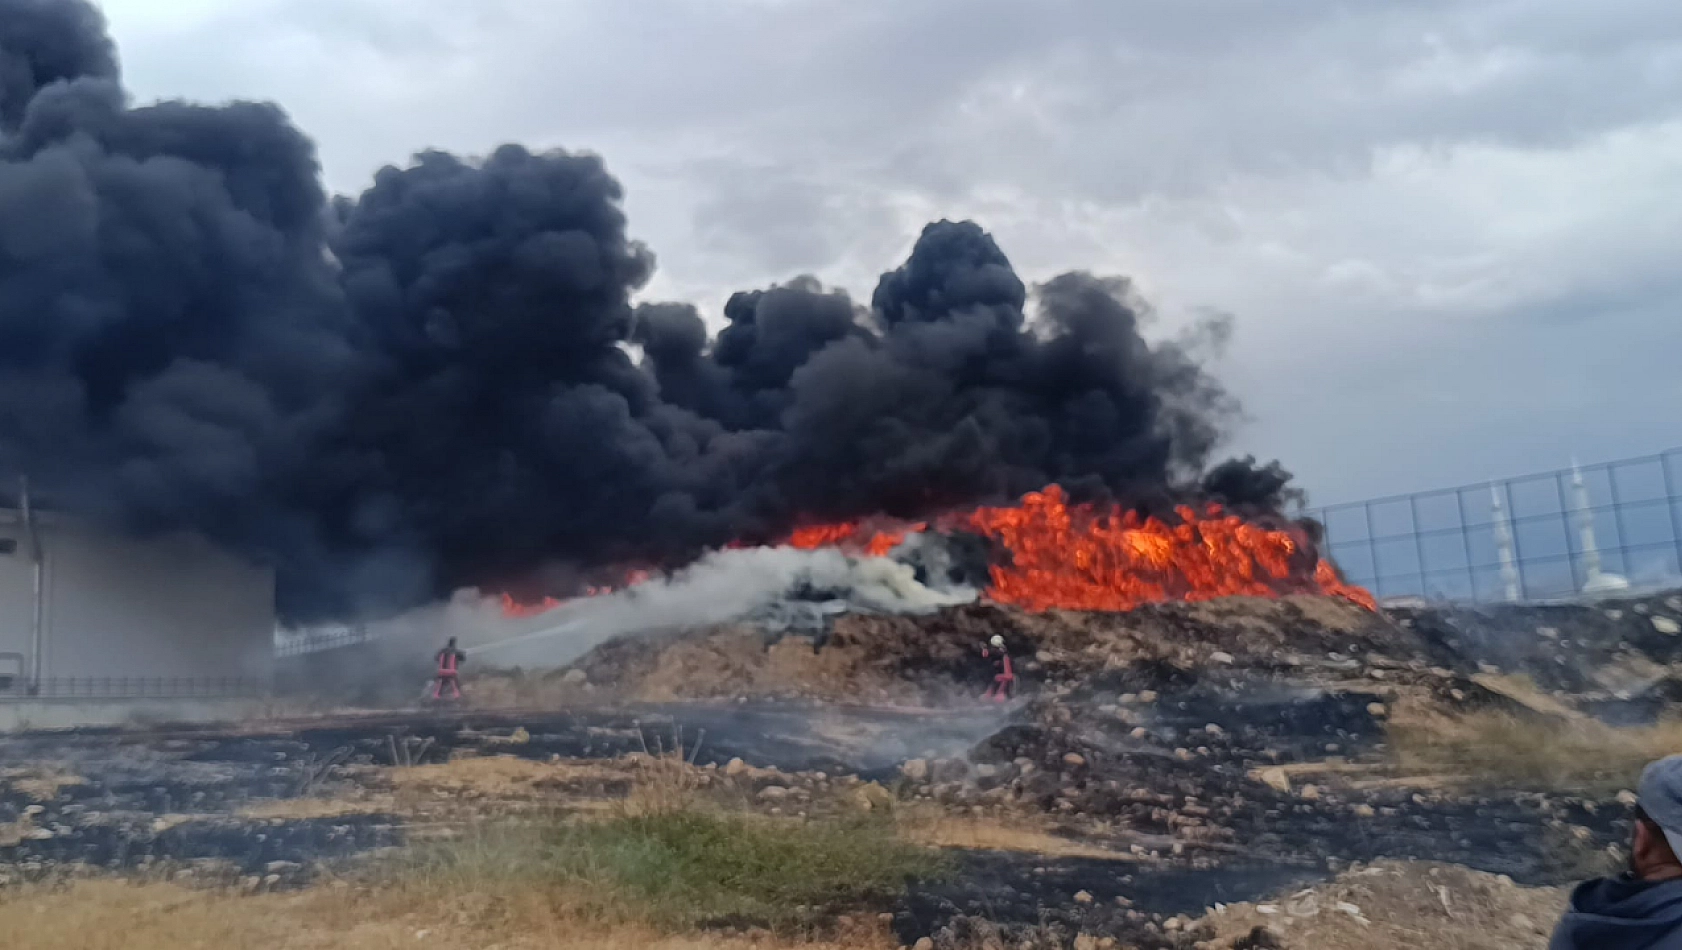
1418	543
1617	519
1670	504
1518	548
1565	523
1372	549
1466	544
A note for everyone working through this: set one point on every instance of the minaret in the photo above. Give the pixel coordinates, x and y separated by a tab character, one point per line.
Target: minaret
1504	546
1594	578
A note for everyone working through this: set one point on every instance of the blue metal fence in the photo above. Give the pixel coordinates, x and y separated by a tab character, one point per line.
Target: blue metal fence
1446	545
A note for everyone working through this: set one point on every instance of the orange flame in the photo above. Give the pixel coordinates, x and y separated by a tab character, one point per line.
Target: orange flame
513	608
1086	557
852	538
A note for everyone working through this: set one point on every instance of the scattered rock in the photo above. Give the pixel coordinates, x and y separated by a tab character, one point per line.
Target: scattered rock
949	770
1147	696
1261	938
1666	625
923	943
774	793
917	770
1074	759
1310	793
735	767
1364	811
1627	797
1085	941
575	677
1377	710
872	797
1220	656
1275	778
1083	897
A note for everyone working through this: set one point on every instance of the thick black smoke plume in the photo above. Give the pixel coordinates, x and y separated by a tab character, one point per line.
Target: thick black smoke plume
445	381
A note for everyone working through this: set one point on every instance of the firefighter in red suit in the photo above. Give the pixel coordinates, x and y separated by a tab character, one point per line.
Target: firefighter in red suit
1003	687
449	671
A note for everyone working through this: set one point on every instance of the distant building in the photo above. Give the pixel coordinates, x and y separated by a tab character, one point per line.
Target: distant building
88	614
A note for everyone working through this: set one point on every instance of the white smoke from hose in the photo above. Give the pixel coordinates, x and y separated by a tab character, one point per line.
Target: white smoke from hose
733	585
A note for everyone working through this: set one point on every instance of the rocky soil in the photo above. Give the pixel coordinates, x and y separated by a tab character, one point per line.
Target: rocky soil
1157	764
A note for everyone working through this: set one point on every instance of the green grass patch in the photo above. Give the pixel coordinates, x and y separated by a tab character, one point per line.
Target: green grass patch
689	867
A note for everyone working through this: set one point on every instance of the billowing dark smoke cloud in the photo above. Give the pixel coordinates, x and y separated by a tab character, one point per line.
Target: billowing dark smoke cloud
1245	484
445	381
168	320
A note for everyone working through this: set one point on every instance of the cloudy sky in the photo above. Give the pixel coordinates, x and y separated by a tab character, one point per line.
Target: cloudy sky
1449	230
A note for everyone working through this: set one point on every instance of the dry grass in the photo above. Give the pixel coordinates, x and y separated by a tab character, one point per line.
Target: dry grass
498	775
934	827
111	915
1402	906
462	782
1523	690
311	809
40	784
1547	753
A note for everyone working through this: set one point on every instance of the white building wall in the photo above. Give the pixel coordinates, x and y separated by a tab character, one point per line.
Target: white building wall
16	597
122	607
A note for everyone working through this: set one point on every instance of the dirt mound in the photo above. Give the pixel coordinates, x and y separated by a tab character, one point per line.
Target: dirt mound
735	661
1621	656
1393	906
873	658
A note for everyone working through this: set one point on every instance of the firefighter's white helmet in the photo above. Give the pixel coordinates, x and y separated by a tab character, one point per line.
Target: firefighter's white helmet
998	642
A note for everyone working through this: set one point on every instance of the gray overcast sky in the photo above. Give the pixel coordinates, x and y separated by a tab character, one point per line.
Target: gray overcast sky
1449	230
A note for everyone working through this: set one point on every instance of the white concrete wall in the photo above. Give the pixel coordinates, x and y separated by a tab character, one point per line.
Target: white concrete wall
158	607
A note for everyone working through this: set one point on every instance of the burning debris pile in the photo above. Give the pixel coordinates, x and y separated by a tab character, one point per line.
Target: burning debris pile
445	383
1043	553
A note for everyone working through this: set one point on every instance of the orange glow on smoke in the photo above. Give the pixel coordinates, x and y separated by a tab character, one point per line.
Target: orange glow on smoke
852	538
1100	558
513	608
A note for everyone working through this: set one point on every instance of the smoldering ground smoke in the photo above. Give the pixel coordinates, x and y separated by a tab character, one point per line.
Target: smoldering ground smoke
444	381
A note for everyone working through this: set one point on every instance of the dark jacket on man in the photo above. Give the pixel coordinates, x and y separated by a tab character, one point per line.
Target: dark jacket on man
1622	913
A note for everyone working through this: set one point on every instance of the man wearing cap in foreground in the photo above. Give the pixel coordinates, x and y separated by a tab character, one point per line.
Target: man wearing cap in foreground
1642	908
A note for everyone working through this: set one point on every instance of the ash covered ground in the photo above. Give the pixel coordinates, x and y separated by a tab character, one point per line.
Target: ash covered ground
1156	763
